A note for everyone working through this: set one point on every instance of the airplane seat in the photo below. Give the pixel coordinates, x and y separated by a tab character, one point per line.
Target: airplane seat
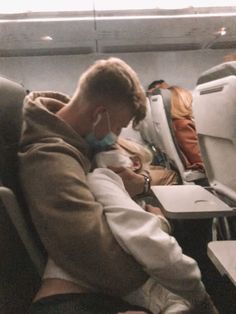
132	134
143	135
147	130
159	123
22	257
214	108
152	138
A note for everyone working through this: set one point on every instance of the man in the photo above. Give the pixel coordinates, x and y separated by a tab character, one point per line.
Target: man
152	88
60	136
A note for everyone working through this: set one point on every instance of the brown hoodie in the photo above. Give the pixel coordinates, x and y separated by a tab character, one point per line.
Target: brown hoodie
71	224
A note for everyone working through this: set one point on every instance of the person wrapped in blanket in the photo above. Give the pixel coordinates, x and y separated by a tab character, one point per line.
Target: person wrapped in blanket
141	157
143	232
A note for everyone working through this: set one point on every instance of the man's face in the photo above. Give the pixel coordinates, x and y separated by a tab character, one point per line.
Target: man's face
112	120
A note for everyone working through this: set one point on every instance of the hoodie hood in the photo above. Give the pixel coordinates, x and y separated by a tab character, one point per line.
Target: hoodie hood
41	125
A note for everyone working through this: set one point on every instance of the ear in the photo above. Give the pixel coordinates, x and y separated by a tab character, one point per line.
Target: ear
97	114
137	164
99	117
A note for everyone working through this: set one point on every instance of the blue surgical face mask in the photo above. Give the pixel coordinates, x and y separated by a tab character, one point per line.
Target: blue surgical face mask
103	144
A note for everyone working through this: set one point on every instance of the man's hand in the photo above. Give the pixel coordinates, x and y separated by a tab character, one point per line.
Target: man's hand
133	182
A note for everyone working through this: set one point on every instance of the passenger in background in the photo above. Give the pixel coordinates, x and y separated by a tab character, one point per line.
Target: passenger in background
184	127
155	85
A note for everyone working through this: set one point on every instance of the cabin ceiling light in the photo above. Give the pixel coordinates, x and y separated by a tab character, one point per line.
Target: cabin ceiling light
222	31
46	38
180	4
22	6
159	4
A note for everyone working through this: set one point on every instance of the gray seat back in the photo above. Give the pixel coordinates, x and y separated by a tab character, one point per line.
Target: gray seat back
158	122
22	256
215	115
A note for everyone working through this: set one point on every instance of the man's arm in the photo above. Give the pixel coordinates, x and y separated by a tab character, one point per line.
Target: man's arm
134	182
71	224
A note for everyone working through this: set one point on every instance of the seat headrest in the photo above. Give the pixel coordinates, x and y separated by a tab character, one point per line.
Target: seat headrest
11	101
217	72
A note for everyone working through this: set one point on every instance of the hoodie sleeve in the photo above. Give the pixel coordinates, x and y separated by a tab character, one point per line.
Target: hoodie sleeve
140	234
70	223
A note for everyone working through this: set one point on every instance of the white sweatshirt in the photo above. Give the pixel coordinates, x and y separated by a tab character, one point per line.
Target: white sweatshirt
140	234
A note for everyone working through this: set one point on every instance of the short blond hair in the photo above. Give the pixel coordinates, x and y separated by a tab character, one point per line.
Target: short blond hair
112	82
181	102
142	152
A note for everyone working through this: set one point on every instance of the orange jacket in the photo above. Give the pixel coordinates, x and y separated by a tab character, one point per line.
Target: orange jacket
187	140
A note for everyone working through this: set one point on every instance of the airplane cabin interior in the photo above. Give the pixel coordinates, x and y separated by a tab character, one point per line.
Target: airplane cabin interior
191	44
